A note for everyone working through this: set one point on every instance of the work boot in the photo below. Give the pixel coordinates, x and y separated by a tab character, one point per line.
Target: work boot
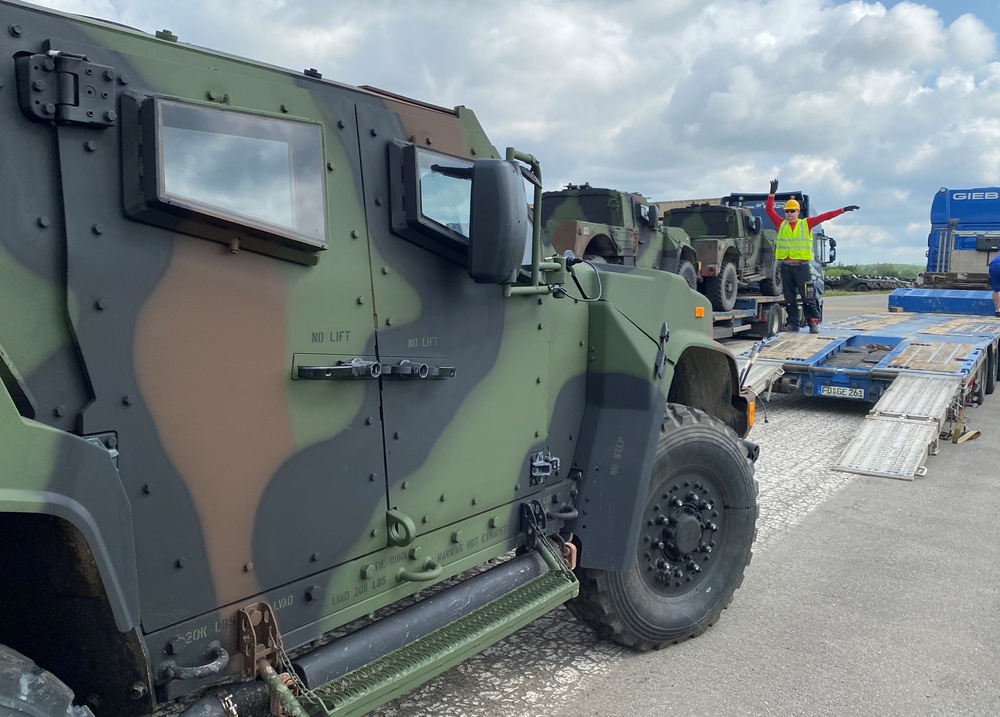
997	314
813	326
790	328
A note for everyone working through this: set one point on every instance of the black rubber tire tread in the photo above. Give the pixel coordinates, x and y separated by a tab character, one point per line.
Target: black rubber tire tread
608	601
772	285
721	290
687	272
775	320
991	370
46	695
861	287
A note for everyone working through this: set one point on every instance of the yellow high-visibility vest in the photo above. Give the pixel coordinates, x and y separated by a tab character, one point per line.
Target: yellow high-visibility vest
794	243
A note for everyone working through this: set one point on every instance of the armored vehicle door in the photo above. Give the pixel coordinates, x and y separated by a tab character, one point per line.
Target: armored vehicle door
464	392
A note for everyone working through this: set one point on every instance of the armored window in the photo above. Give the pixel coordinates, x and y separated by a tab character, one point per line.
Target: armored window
431	199
230	175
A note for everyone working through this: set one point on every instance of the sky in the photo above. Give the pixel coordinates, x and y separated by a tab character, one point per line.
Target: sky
877	104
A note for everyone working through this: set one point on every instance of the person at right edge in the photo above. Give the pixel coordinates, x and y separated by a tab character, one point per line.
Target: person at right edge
794	251
994	269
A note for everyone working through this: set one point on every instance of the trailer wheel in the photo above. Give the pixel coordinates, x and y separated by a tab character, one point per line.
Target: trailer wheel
696	532
688	273
775	320
721	289
991	369
27	689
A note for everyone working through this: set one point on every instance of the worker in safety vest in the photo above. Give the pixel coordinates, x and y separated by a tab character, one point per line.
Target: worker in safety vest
794	252
994	269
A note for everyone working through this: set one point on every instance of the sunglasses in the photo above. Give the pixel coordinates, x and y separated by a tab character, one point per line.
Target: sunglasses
791	211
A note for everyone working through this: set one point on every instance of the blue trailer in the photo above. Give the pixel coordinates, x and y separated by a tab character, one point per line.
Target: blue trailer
920	371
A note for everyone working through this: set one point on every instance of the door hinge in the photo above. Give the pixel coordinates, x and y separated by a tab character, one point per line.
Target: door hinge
66	88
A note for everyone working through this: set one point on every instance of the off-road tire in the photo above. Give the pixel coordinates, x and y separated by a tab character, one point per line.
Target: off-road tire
699	461
27	689
721	289
772	285
861	287
687	272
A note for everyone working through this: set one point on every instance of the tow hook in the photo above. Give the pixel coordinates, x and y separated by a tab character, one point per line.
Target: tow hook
752	449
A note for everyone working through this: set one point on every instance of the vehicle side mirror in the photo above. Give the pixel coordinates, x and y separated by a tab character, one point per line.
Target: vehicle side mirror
498	221
833	243
648	214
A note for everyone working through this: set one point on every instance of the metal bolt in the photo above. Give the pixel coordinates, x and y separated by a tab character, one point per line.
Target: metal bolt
374	532
90	145
176	645
247	567
374	132
110	115
180	562
128	399
366	571
314	558
711	526
97	229
354	234
693	497
492	522
361	300
538	380
38	85
541	326
329	166
48	108
137	691
340	124
456	537
385	270
44	221
406	484
111	442
372	477
368	421
388	321
147	488
14	30
48	64
59	411
284	107
212	95
705	505
396	435
425	520
123	80
415	552
443	497
109	75
430	141
661	519
473	152
378	201
475	501
101	304
312	592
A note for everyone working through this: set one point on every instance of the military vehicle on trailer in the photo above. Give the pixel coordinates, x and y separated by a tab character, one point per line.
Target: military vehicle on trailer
607	225
278	352
731	249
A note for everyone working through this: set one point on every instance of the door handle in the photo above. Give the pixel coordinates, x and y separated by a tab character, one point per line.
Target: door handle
416	370
355	369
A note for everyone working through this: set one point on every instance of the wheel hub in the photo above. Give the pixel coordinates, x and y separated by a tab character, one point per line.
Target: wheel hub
682	527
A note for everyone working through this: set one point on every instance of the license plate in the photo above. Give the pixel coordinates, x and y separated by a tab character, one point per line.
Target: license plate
842	392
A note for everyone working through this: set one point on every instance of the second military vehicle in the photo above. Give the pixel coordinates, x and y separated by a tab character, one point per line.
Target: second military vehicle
278	352
607	225
731	249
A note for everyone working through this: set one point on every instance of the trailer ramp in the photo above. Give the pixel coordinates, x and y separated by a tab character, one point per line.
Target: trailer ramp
903	428
760	377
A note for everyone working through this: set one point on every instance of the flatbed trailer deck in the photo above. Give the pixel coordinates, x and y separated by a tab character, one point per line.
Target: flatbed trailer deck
920	370
752	317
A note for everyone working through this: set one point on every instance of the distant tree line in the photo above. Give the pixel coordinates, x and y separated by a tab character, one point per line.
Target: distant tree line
901	271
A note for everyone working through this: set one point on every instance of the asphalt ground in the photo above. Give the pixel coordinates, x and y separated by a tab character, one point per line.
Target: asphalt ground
866	596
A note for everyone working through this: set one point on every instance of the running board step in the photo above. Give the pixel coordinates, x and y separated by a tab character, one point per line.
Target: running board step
362	690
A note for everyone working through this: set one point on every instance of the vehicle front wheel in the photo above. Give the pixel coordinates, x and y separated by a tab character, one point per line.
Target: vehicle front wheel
721	289
27	689
696	535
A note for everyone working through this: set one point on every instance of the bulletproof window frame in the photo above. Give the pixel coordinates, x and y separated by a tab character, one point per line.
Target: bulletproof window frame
407	207
149	200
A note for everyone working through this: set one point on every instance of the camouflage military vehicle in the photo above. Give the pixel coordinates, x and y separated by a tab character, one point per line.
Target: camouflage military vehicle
732	249
278	352
616	227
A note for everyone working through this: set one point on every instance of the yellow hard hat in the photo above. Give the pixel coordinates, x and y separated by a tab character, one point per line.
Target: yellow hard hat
791	204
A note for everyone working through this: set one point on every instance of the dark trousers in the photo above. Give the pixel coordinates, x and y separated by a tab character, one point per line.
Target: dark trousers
794	278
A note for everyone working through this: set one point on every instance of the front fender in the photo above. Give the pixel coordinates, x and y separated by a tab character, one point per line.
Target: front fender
47	471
